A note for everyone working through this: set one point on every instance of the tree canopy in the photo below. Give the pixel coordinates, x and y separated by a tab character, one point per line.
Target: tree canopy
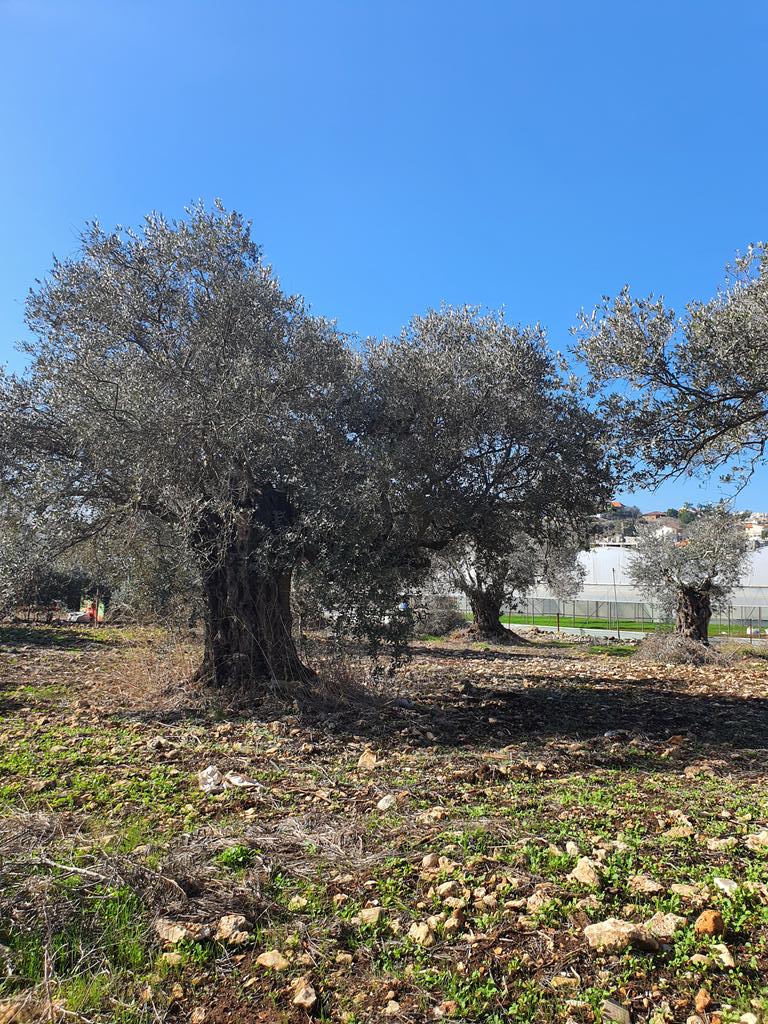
686	393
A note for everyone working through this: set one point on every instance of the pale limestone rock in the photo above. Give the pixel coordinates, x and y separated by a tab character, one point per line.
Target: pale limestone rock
614	935
273	959
304	994
233	929
644	885
664	926
421	934
586	873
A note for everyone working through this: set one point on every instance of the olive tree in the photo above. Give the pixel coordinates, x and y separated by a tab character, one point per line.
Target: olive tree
31	579
477	435
494	576
172	379
691	392
690	578
489	446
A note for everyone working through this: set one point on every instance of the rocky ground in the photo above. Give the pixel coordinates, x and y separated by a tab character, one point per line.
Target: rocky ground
551	832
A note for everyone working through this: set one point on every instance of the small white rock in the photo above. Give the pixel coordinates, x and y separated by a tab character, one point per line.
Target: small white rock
726	885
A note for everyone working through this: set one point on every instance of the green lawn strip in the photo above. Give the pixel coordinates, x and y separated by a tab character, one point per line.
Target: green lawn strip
628	625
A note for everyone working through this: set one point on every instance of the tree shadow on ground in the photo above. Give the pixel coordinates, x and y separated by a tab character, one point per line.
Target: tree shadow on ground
578	712
62	638
520	701
9	701
508	653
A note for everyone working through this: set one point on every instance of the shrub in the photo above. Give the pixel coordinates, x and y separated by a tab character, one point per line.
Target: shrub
440	621
675	649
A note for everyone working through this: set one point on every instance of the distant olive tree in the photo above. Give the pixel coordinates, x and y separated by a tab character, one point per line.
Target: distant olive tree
30	579
691	578
688	393
489	441
492	577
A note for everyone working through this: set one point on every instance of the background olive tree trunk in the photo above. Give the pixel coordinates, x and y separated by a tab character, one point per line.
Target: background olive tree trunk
486	609
694	610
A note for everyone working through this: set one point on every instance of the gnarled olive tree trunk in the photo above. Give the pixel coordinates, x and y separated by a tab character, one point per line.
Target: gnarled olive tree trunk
694	610
248	622
486	610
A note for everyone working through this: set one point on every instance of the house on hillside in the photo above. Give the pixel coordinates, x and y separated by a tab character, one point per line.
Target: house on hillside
663	525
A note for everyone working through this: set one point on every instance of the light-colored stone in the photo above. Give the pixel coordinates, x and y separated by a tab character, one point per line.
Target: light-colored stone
453	924
392	1008
586	873
273	959
679	832
234	780
450	888
198	1016
233	929
724	954
421	934
210	779
718	844
430	861
367	760
644	885
726	885
614	935
304	994
386	803
664	926
758	841
687	892
564	983
172	932
537	901
370	915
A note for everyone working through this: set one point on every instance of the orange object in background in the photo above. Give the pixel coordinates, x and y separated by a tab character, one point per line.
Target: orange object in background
93	608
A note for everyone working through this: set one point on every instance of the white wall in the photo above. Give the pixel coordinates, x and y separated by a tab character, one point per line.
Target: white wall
600	563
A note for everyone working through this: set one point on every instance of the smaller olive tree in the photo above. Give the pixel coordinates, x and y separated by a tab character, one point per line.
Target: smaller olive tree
690	578
492	576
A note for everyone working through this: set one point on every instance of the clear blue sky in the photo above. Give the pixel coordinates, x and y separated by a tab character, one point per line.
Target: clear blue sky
394	154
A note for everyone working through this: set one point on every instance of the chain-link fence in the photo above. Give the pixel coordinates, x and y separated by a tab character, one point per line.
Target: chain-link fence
643	616
735	620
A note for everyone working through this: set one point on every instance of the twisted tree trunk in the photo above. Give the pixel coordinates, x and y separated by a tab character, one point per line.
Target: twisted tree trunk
248	623
486	610
694	610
